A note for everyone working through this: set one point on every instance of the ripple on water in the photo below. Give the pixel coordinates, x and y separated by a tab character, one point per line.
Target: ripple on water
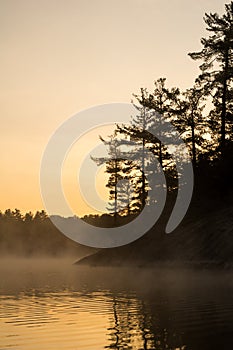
192	316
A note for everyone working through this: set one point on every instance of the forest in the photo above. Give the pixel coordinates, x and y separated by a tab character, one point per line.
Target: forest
203	116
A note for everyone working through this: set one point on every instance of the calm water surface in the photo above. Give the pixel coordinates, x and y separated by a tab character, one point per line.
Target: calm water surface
54	305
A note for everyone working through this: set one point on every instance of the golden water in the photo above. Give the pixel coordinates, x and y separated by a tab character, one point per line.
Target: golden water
54	305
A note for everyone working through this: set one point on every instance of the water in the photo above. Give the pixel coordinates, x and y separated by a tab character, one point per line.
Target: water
54	305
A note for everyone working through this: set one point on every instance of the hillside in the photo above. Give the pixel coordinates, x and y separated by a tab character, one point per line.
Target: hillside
205	237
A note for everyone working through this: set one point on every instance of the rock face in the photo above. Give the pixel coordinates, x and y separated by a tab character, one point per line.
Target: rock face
204	238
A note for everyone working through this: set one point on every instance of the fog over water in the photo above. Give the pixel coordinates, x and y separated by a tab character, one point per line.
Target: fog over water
52	304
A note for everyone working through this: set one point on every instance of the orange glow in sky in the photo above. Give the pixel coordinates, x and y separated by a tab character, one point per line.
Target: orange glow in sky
60	57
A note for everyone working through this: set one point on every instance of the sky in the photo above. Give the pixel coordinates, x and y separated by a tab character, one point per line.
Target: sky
61	57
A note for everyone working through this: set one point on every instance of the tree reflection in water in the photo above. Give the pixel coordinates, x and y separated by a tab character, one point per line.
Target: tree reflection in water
136	327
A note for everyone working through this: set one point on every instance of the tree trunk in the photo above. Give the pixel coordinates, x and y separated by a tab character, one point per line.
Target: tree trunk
143	162
115	194
193	141
224	100
143	174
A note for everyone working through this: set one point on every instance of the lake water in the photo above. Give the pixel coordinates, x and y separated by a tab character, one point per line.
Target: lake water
50	304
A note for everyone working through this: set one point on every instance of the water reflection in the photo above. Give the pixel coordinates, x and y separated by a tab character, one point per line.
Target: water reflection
136	327
95	309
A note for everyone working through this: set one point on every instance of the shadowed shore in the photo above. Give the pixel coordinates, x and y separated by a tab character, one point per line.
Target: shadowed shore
203	240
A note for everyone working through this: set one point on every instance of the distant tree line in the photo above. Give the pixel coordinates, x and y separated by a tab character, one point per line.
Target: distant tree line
33	234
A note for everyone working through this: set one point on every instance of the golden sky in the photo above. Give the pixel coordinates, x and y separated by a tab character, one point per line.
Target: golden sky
59	57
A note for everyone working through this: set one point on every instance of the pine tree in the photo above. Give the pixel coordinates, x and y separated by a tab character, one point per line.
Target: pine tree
190	123
163	104
113	168
217	67
119	168
137	132
126	188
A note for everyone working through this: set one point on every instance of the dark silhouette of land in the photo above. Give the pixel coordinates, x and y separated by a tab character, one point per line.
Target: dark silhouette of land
205	236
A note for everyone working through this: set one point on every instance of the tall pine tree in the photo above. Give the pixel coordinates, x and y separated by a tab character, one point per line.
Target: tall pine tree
217	68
